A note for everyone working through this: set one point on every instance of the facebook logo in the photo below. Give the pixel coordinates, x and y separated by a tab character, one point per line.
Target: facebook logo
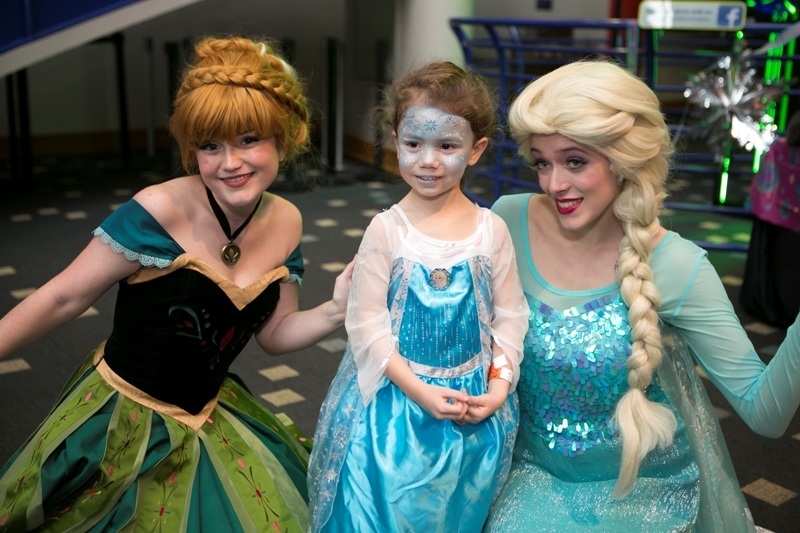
729	16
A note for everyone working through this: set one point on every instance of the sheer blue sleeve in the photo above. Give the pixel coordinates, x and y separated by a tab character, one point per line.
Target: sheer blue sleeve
695	302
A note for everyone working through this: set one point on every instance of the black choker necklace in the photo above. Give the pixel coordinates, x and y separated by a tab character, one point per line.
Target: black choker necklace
230	252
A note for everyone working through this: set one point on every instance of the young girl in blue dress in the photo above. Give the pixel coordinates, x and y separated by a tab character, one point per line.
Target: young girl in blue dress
435	312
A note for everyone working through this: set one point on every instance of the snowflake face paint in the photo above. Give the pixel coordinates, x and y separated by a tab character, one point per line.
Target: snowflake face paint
433	149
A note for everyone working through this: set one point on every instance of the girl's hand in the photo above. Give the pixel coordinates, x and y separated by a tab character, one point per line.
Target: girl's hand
341	292
440	402
482	407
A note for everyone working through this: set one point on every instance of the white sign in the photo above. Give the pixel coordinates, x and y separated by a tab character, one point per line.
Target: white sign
667	15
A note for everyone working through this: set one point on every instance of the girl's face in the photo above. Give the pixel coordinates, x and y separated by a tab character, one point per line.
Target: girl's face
434	149
238	173
576	179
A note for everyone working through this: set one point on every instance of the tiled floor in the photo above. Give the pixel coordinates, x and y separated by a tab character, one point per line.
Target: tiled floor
42	231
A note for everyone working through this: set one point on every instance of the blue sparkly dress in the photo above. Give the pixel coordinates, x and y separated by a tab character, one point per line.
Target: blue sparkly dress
380	462
567	455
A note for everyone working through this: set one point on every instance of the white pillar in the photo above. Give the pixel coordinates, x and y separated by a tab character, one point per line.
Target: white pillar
422	32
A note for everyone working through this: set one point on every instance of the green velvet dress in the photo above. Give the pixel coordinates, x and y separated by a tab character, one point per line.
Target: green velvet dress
152	433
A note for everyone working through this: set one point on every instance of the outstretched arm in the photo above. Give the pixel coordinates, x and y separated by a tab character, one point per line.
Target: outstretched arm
65	296
289	329
765	396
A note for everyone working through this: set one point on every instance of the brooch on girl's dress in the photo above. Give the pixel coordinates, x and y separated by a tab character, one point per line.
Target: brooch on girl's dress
439	279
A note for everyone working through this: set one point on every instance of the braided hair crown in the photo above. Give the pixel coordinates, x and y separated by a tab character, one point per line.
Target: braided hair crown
238	85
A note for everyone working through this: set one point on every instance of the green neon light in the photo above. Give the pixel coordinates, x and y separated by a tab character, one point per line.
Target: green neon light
757	161
789	7
783	114
771	66
723	188
740	34
723	184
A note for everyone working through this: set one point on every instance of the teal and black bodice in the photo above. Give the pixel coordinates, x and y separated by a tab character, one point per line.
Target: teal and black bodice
178	327
181	325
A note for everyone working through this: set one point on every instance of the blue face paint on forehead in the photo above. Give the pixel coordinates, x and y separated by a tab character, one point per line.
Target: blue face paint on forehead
433	148
431	123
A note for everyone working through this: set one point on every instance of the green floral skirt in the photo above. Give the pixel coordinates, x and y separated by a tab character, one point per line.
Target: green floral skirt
104	462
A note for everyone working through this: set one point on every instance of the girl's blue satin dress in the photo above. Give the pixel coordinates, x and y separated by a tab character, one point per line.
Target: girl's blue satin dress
390	466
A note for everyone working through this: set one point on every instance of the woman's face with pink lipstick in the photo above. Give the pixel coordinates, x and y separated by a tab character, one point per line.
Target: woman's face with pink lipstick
238	173
576	179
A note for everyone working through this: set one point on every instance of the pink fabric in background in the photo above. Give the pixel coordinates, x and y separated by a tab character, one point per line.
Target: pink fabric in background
775	192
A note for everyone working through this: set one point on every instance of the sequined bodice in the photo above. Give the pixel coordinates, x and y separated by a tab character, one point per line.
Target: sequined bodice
573	373
436	311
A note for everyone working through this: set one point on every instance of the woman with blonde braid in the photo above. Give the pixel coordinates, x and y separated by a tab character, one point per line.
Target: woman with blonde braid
616	432
152	433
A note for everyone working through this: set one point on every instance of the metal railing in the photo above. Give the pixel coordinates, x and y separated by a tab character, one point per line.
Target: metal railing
509	53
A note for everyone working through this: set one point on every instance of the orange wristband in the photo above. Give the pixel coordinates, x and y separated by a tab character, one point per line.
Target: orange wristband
500	373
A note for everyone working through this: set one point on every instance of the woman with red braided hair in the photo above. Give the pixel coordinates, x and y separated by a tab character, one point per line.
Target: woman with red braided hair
616	430
152	433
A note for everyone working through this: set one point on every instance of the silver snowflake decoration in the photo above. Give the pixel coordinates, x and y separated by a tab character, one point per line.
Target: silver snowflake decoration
734	102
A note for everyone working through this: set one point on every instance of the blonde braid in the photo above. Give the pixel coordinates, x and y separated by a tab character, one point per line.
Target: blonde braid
643	424
607	109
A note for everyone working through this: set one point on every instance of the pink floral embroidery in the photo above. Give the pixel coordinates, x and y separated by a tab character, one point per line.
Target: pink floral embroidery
209	420
110	470
134	417
276	526
241	463
64	510
3	520
172	478
86	398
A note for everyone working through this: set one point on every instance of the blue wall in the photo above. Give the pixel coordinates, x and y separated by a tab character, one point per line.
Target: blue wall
27	20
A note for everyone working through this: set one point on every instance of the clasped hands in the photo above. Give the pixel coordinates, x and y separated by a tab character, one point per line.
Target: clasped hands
449	404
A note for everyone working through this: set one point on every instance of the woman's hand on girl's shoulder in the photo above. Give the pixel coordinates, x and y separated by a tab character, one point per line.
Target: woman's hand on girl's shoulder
341	292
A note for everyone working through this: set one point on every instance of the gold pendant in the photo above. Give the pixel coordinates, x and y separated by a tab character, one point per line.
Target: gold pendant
231	253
